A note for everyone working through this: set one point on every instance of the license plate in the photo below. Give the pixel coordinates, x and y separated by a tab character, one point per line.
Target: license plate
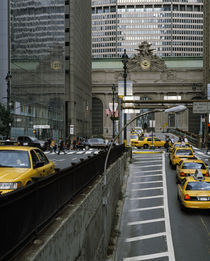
203	198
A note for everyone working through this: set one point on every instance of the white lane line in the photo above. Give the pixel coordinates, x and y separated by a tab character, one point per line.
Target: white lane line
146	257
132	239
144	209
167	218
88	152
145	171
145	221
74	159
145	176
80	152
147	189
71	152
150	158
146	182
139	198
150	166
60	159
149	161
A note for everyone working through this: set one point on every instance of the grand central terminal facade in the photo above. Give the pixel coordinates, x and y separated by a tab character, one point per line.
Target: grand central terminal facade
152	79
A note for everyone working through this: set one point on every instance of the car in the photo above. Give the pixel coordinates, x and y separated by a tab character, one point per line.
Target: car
134	137
146	142
98	143
180	153
32	142
194	191
188	167
20	165
179	144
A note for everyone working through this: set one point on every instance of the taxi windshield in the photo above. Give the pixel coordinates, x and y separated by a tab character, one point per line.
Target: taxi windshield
134	137
184	152
14	159
193	165
200	185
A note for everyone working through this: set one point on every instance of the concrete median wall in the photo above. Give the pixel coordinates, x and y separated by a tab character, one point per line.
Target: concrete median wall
81	231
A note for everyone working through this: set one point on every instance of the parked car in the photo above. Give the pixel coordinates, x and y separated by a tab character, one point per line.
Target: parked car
19	166
98	143
32	142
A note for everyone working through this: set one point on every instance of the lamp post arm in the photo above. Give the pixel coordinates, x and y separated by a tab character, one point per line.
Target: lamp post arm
115	138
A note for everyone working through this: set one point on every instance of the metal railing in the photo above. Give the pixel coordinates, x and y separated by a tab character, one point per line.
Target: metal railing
194	139
26	211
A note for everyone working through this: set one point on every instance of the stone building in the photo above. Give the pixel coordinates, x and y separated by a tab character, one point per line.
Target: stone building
153	79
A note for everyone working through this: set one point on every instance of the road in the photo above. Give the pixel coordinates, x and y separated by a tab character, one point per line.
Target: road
153	226
72	156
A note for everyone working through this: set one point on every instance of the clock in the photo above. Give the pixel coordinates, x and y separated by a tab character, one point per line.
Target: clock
145	64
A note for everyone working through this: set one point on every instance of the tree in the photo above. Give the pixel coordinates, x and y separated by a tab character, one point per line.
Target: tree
5	121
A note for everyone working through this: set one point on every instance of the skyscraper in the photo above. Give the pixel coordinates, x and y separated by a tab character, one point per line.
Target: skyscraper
173	27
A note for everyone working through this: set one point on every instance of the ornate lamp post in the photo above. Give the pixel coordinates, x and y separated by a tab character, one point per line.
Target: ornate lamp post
113	112
125	61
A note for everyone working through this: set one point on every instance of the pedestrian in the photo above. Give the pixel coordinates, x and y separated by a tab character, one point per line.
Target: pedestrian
61	146
166	145
172	140
185	139
180	139
74	143
52	145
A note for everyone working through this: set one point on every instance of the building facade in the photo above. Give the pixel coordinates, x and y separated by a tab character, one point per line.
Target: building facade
159	80
174	28
51	68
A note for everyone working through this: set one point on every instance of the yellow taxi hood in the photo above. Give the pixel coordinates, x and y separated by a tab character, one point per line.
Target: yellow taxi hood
10	174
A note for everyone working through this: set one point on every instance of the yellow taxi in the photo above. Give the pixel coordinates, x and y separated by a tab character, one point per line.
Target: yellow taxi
134	137
180	153
194	191
188	167
179	144
146	142
19	165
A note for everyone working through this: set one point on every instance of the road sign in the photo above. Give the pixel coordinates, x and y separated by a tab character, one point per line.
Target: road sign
131	98
71	130
201	107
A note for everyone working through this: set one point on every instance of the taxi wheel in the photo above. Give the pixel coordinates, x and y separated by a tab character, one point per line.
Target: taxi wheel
145	146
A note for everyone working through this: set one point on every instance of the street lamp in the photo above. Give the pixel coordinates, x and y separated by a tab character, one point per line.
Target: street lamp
125	61
113	112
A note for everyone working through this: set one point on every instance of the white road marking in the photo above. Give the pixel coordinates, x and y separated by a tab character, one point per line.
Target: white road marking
144	209
132	239
145	221
60	159
88	152
80	152
146	182
145	176
150	160
74	159
147	189
167	218
146	257
144	171
149	166
139	198
71	152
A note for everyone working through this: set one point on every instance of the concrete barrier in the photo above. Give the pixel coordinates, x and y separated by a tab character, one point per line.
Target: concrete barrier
82	229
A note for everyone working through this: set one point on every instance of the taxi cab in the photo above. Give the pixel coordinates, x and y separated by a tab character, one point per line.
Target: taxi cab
19	165
146	142
194	191
180	153
179	144
134	137
188	167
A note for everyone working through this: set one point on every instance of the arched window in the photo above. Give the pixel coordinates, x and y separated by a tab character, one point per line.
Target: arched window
97	116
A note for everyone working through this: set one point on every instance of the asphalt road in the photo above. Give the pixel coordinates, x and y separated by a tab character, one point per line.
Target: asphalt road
71	156
153	226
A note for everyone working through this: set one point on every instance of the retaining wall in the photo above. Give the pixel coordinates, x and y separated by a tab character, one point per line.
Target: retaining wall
81	231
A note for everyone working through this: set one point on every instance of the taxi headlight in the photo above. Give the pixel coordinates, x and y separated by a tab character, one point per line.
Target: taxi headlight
10	185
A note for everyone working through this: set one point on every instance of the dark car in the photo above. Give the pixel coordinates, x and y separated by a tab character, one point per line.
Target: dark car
32	142
98	143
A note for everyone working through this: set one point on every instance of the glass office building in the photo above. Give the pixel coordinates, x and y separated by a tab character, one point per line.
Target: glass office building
45	81
174	28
